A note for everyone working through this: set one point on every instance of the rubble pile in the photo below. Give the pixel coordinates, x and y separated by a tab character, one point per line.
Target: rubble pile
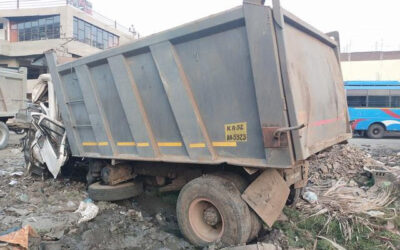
339	161
346	180
346	185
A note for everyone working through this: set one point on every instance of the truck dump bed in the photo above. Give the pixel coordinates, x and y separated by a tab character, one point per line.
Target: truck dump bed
251	86
12	91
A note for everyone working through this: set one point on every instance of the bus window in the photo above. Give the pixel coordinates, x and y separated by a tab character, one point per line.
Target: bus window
357	101
378	101
395	101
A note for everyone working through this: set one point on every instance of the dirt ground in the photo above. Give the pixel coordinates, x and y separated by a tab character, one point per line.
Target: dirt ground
146	222
48	205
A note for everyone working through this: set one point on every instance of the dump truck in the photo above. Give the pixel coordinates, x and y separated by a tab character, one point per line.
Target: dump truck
226	109
12	99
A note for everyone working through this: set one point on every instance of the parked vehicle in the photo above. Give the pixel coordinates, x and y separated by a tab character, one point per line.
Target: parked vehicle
226	109
374	107
12	99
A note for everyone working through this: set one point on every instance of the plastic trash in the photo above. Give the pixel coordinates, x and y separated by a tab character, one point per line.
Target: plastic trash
13	182
88	210
311	197
18	173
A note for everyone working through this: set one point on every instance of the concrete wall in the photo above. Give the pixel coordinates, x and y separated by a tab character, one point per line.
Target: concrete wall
374	70
4	31
38	47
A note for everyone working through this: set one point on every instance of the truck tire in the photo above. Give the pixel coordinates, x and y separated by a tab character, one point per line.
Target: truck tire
241	184
99	192
236	179
4	135
210	209
294	196
376	131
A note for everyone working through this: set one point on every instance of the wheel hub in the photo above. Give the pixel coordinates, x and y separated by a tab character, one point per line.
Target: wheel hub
205	220
211	216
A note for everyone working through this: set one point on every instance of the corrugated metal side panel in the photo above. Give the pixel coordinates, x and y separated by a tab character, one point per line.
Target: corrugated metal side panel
219	72
172	100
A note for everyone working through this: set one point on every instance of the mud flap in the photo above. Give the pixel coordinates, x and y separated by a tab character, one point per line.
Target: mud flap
267	195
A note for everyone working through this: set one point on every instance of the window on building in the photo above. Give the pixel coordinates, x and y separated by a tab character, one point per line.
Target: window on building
93	35
56	27
378	101
1	26
35	28
42	29
357	101
33	73
395	101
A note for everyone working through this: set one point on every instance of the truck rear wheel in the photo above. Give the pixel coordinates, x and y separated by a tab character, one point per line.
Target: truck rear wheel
210	209
376	131
99	192
241	184
4	135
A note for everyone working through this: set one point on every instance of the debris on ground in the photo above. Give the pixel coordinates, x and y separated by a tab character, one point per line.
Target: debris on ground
25	237
88	210
311	197
340	181
349	187
339	161
355	207
48	205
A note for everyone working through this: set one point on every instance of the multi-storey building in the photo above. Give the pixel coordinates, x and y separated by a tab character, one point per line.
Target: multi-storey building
29	28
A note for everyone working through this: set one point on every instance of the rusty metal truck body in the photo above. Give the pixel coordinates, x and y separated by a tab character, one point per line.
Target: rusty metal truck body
12	91
253	87
174	96
12	97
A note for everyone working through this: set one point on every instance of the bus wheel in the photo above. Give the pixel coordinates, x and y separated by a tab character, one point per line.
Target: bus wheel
376	131
210	209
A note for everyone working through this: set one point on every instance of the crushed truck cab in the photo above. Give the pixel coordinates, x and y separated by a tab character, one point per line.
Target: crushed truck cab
226	109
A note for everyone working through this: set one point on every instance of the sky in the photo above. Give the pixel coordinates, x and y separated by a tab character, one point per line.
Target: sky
364	25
